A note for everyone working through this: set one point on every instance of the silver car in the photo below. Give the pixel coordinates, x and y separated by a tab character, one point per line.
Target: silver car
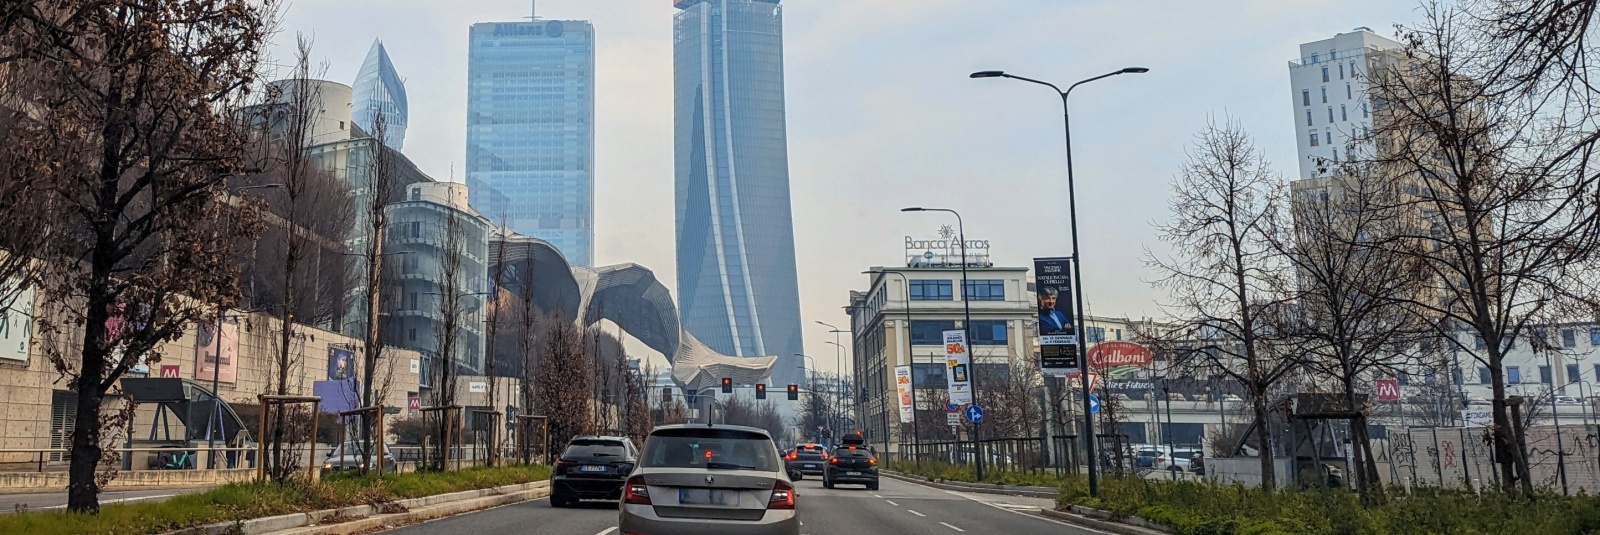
696	479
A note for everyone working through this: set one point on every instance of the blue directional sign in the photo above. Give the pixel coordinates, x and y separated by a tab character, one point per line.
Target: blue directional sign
1094	404
974	414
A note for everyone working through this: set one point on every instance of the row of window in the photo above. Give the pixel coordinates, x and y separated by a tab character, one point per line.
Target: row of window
941	290
1569	339
983	332
1513	376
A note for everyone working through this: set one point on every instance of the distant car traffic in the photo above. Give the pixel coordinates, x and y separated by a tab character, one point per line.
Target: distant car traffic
808	459
694	479
348	457
592	468
853	463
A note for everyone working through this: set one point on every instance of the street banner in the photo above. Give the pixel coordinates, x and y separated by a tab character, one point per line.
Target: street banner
341	364
16	326
902	383
206	352
958	367
1058	338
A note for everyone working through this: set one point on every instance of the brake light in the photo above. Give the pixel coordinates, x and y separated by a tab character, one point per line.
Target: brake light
635	491
872	461
834	460
562	465
782	496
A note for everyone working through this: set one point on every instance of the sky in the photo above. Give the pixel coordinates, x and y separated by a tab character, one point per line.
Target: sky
882	115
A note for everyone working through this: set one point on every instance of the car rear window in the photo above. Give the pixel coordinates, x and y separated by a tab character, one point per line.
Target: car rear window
813	450
855	452
713	448
596	448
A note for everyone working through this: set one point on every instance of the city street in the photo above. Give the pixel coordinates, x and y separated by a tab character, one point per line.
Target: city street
898	508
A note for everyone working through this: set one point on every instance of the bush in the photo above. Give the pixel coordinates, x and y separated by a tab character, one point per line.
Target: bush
943	471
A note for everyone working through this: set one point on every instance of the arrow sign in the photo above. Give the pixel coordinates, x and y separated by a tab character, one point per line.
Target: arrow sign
1094	404
974	414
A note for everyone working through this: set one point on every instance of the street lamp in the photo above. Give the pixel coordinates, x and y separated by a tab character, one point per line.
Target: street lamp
966	324
216	363
916	435
838	367
1077	259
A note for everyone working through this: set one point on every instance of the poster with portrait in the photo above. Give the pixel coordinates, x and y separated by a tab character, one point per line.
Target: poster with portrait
341	364
208	364
118	329
1058	338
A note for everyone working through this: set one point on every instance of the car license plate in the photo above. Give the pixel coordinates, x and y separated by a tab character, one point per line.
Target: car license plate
852	473
591	468
708	497
811	466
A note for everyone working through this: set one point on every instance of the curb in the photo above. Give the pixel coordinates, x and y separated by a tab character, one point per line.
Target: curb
1031	492
366	518
1102	520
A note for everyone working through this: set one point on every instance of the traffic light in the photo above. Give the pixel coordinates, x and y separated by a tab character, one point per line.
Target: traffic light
727	385
666	395
794	392
761	391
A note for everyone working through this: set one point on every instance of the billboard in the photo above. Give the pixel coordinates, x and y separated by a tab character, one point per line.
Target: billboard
958	367
1058	338
341	364
1119	359
902	384
16	327
206	353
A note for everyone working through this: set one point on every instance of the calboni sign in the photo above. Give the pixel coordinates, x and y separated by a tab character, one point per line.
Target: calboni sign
1117	359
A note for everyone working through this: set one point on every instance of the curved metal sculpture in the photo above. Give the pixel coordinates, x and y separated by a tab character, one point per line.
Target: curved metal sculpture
630	296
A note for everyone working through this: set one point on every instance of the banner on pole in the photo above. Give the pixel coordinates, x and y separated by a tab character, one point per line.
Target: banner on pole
1058	338
958	367
902	383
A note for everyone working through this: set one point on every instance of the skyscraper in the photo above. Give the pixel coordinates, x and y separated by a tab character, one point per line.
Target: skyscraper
1329	88
737	287
379	90
530	130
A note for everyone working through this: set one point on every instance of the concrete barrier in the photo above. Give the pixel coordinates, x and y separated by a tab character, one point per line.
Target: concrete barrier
366	518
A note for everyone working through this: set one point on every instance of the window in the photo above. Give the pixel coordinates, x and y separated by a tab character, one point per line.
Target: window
1352	69
1347	92
1324	94
1341	72
412	334
1456	375
1324	73
1572	373
1403	378
1363	110
1343	115
930	332
416	194
416	229
1478	343
989	332
63	416
1544	375
1484	378
1308	118
1597	372
1314	59
1569	338
411	301
985	290
1096	334
931	290
1336	154
1330	114
1314	139
1119	334
1594	339
1305	97
1513	375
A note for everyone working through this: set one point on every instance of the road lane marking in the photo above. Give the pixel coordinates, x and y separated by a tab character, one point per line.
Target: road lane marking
891	502
946	524
608	530
877	495
1035	514
914	511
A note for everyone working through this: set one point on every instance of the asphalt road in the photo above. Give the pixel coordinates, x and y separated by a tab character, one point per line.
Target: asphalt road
896	508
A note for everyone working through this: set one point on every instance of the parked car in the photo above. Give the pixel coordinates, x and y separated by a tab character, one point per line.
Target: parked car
696	478
592	467
348	457
1151	457
1183	460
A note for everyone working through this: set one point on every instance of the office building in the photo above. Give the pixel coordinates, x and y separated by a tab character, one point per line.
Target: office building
530	130
380	91
737	285
441	247
1329	88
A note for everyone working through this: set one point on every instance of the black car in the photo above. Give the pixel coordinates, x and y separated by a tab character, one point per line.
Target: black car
807	459
592	468
853	463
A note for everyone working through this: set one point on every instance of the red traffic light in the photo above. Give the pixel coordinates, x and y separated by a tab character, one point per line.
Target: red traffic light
794	392
761	391
727	385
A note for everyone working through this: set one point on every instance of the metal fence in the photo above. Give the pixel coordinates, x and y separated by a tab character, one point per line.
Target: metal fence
1058	454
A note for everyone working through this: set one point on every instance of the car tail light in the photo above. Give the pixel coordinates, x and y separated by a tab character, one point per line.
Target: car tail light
635	491
872	461
834	460
782	496
562	465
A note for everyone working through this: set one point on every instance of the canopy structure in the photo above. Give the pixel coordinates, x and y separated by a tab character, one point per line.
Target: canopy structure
194	407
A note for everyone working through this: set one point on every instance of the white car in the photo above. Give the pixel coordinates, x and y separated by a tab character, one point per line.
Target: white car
694	479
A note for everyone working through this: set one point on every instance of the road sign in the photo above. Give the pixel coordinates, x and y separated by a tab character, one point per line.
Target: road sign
1387	389
414	403
951	407
974	414
952	418
1094	404
170	371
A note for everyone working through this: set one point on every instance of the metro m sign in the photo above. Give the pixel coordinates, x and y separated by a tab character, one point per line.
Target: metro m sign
1387	389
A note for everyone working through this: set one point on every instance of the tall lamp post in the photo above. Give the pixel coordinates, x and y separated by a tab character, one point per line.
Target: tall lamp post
1077	258
966	324
838	367
916	435
812	385
216	363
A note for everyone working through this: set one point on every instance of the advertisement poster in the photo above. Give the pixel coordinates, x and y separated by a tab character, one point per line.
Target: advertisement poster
1058	339
958	367
902	383
16	326
206	353
116	327
1119	359
341	364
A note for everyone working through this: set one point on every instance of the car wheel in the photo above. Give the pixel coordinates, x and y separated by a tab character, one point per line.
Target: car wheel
872	486
827	483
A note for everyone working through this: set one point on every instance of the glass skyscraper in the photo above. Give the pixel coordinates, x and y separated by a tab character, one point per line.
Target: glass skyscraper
737	288
379	90
530	130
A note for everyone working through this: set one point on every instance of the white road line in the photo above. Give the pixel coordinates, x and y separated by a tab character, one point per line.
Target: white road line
951	527
891	502
1033	515
877	495
913	511
608	530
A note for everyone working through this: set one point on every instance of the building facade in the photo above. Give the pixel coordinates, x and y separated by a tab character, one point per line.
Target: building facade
437	246
1329	87
737	283
380	91
530	130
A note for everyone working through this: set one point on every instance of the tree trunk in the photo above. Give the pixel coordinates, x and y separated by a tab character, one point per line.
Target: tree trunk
1269	480
83	490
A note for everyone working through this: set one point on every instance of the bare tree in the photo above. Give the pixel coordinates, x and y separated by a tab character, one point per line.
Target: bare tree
562	390
452	314
135	96
1498	145
1227	279
377	193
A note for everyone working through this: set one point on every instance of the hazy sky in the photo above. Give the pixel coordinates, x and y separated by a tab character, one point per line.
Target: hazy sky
881	115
